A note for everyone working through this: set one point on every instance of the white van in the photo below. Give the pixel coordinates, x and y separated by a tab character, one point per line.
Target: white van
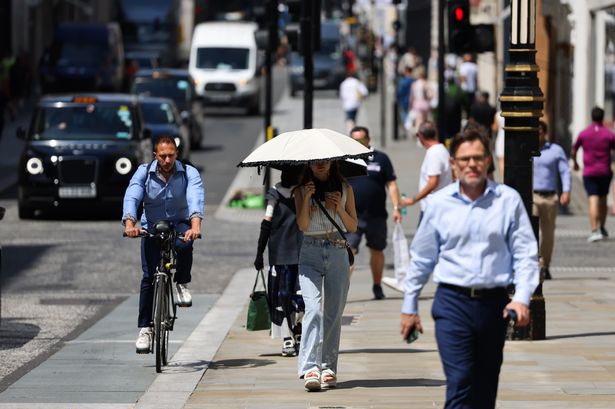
225	65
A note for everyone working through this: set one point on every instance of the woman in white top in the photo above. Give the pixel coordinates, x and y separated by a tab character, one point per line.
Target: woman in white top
323	269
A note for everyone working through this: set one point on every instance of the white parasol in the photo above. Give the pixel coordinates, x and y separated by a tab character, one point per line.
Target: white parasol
305	146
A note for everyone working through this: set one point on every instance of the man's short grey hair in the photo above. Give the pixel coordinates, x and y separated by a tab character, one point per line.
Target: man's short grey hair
428	130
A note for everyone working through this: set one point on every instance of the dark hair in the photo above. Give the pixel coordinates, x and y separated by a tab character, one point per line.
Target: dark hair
360	129
543	126
470	134
335	182
290	176
428	130
164	139
597	114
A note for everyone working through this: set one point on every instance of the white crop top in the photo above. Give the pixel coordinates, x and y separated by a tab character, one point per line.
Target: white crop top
319	223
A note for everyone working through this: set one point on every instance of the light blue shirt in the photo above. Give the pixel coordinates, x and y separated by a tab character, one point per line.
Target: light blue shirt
182	198
551	163
484	243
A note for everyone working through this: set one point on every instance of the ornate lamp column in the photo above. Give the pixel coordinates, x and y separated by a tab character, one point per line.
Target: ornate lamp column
522	104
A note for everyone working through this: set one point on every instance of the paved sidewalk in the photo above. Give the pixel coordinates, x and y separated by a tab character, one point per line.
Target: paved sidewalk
573	368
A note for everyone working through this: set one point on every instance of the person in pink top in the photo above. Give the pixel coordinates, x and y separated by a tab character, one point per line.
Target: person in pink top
597	142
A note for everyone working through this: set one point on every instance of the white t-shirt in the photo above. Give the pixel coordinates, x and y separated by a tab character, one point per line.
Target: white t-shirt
351	92
469	71
436	162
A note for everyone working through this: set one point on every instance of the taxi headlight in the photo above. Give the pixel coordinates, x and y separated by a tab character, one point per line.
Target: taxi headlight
123	166
34	166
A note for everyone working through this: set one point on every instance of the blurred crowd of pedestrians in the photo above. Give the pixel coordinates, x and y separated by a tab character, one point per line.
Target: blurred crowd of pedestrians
15	85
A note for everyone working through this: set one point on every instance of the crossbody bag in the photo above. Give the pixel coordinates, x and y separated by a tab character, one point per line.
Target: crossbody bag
339	229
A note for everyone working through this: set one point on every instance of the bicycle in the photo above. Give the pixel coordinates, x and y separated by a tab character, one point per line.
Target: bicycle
164	311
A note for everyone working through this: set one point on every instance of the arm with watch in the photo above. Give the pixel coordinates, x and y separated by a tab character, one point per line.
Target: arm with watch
432	184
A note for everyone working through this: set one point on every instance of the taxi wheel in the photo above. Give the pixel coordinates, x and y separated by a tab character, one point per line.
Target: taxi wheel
25	212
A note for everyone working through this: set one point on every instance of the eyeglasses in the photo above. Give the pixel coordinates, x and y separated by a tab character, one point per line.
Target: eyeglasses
464	160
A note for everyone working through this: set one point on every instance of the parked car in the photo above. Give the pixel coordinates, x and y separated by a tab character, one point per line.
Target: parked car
80	152
177	85
83	58
225	63
329	69
160	116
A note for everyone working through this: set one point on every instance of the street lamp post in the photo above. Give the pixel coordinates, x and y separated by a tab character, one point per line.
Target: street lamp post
522	104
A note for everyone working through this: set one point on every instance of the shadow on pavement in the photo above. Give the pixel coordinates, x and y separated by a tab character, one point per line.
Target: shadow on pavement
186	366
14	333
16	259
240	363
386	351
390	383
582	335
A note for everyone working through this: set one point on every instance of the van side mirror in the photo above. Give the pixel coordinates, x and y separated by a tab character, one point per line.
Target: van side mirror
21	133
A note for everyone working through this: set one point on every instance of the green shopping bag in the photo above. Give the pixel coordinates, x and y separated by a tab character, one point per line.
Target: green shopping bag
258	309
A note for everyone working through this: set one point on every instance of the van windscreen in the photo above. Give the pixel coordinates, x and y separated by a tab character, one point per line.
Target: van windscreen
219	58
73	54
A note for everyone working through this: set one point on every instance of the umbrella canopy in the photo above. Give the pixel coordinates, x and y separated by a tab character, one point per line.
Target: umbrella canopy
349	168
304	146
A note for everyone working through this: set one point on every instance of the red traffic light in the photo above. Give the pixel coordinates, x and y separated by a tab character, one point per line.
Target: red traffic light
458	13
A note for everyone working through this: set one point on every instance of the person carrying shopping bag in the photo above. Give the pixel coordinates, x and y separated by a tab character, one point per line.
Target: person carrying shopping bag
323	197
280	234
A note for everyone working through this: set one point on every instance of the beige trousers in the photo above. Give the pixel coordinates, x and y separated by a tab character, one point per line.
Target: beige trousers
545	207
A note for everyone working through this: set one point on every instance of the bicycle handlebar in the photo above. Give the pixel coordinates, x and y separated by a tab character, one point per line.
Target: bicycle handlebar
148	234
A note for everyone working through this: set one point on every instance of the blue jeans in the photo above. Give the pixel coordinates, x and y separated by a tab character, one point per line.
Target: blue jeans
470	333
150	258
323	272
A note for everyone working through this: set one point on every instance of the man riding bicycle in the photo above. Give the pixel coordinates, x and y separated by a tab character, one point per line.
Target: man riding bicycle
173	191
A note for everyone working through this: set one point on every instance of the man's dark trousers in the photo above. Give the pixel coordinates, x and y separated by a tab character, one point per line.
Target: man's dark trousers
470	333
150	258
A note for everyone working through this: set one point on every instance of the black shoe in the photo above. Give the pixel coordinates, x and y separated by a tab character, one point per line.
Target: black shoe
546	273
378	293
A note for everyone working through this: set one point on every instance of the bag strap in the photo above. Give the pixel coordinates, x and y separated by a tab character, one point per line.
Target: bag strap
339	229
262	276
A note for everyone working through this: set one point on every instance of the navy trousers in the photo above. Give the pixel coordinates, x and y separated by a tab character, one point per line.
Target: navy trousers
150	258
470	333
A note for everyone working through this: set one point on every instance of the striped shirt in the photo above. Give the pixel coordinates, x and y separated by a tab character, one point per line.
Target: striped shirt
319	223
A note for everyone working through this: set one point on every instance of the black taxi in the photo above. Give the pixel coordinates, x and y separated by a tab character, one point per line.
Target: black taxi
80	152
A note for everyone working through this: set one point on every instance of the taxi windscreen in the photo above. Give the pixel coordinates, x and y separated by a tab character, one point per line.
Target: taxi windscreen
113	121
157	113
176	89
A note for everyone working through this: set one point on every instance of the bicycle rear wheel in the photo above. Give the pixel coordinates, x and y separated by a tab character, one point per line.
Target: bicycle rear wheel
160	302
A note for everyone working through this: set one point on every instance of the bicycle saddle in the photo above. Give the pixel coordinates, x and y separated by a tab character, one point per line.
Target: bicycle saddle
163	226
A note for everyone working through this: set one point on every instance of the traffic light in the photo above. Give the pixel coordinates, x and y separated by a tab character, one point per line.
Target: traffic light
460	32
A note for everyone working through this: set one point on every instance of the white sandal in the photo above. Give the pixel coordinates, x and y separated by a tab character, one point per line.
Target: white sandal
328	379
312	380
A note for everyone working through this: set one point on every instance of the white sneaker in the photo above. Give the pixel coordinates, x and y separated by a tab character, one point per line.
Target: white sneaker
184	299
595	236
393	283
144	340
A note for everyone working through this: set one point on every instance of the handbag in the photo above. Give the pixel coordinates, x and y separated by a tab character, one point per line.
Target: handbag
258	310
400	251
339	229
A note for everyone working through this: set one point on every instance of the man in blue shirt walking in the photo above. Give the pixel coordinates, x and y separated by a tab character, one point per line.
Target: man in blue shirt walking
548	167
476	238
172	191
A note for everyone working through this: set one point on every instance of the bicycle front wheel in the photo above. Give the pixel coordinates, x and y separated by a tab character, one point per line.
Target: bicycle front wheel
160	305
165	326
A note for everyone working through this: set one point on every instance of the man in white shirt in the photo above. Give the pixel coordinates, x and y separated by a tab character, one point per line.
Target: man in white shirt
435	170
435	174
352	92
468	76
